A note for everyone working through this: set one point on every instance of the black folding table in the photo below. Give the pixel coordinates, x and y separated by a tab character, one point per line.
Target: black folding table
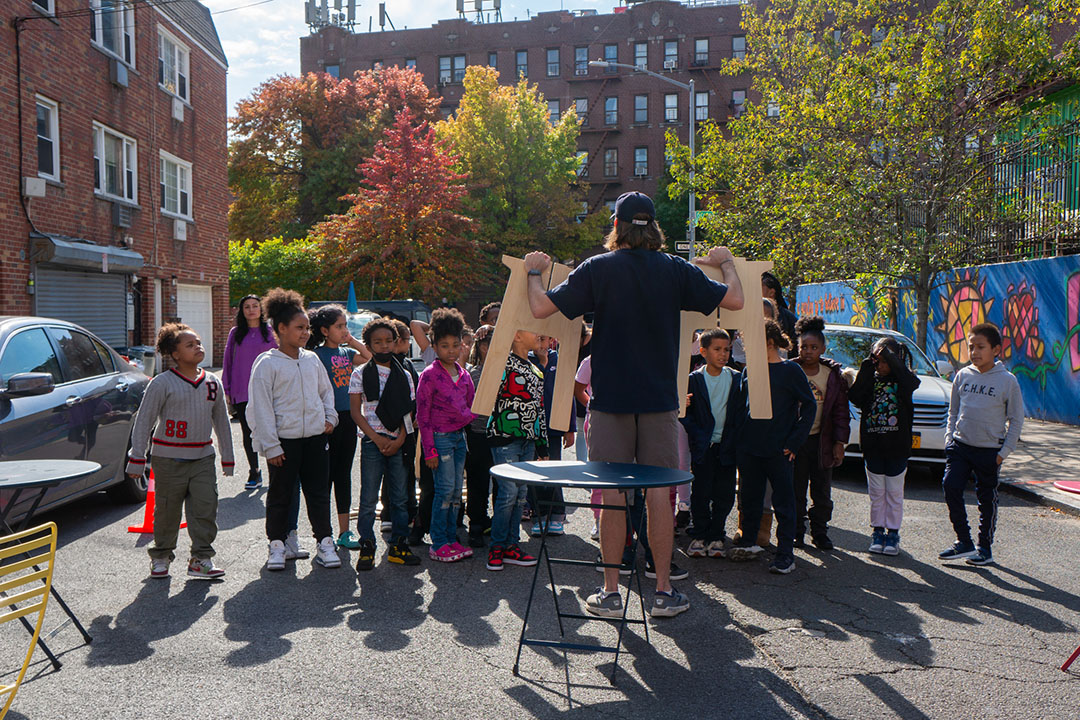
35	477
624	477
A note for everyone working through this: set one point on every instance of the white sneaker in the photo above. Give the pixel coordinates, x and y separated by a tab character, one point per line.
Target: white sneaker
293	551
276	559
696	549
595	533
716	549
159	568
326	553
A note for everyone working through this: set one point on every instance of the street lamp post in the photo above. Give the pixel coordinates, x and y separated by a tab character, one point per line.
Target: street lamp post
689	87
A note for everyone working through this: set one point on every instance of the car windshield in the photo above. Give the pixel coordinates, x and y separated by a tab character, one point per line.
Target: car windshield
357	321
851	347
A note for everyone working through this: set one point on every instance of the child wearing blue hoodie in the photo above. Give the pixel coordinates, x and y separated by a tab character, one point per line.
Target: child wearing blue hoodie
711	411
986	414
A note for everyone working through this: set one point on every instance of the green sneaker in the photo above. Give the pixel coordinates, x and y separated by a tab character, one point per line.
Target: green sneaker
400	554
348	540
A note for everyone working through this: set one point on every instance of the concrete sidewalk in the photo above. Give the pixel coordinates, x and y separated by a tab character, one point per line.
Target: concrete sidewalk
1047	452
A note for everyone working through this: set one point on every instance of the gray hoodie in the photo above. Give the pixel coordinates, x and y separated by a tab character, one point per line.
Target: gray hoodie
981	405
288	398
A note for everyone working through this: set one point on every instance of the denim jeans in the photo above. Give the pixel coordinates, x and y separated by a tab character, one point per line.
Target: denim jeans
506	518
448	476
375	469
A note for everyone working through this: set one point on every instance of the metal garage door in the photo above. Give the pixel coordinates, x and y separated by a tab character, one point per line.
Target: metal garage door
97	301
195	306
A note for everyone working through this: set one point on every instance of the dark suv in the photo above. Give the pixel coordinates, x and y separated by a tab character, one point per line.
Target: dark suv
64	394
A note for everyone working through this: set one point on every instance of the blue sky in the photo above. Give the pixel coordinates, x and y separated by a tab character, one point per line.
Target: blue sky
264	40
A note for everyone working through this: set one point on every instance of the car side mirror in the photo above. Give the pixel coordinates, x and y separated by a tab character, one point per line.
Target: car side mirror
31	383
944	368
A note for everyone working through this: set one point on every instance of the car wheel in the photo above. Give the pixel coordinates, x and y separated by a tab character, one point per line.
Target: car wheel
129	490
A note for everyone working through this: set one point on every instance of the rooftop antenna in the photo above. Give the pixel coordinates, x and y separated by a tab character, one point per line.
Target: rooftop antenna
384	18
478	7
318	14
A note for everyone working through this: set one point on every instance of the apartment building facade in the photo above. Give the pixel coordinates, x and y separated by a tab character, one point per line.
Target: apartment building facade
113	195
624	115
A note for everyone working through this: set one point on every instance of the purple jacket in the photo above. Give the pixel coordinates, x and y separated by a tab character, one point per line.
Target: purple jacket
442	405
239	357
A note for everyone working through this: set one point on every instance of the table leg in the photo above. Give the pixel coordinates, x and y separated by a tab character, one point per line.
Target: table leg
532	588
629	585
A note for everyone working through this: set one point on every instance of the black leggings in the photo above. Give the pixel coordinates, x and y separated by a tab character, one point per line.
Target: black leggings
245	433
478	476
342	453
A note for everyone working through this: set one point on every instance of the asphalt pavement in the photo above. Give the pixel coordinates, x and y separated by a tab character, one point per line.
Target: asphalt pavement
846	635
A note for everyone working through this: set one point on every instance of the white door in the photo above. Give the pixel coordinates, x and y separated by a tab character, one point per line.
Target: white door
195	306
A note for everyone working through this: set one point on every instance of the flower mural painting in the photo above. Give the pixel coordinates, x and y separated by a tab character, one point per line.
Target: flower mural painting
1072	326
1020	332
964	305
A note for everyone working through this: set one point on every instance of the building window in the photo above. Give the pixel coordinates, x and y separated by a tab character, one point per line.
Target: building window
553	62
173	65
48	139
738	47
581	106
493	59
523	63
701	106
553	111
410	63
641	55
772	110
671	107
116	164
671	54
451	68
738	102
701	51
377	65
583	163
877	36
113	28
332	70
46	6
641	161
611	111
611	162
175	186
581	60
611	54
641	108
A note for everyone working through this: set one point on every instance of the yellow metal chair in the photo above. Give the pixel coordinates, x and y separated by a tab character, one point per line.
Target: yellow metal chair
24	594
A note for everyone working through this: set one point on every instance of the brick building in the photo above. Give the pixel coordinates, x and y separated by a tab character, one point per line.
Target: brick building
624	115
113	185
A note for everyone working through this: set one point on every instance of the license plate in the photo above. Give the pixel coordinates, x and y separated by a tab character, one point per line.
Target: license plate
916	441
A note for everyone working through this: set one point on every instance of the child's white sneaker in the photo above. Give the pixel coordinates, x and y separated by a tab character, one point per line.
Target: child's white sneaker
716	549
326	553
276	558
696	549
204	569
293	551
159	568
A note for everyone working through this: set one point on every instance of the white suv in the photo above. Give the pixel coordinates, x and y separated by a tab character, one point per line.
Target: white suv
849	345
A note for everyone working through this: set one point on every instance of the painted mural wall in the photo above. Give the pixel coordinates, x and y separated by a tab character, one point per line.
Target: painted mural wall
1036	304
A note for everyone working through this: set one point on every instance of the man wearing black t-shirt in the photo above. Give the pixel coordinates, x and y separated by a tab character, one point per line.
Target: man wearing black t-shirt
636	294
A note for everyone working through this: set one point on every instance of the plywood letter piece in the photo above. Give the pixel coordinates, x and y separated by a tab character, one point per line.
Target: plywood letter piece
748	322
515	315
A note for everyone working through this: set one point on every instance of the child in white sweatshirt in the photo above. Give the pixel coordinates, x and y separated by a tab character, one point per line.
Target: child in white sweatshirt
291	413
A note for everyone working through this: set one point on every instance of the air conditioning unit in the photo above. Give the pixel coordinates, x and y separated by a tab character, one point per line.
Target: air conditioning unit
643	66
118	73
180	230
178	110
581	71
641	172
121	215
33	187
671	64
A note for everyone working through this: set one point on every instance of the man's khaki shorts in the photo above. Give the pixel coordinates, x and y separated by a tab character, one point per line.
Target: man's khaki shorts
645	438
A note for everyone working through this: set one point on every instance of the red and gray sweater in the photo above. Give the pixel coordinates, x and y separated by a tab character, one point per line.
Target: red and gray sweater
181	413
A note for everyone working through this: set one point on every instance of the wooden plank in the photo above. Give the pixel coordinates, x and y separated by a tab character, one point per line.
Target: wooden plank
748	321
515	315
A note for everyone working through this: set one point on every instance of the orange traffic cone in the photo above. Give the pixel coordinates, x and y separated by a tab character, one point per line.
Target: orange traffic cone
148	512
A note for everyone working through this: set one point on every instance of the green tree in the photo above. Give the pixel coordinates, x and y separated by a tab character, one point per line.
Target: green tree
523	189
299	140
885	135
254	268
672	210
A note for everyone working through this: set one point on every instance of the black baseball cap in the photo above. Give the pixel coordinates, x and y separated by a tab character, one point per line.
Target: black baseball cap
633	203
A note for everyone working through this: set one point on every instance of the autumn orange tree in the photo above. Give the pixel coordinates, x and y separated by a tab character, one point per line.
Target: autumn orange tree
403	234
297	143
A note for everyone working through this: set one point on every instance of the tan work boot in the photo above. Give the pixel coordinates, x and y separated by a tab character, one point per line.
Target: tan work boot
765	531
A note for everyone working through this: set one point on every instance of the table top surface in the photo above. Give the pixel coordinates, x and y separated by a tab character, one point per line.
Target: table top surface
603	475
43	473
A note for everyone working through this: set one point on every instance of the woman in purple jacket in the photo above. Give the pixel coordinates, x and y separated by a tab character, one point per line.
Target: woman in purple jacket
824	448
241	349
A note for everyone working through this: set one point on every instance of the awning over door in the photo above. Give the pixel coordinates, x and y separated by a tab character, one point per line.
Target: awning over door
76	253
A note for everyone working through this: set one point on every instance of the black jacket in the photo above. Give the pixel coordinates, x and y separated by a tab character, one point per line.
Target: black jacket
700	423
886	408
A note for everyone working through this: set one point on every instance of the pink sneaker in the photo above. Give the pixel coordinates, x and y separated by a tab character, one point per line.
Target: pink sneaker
461	550
446	553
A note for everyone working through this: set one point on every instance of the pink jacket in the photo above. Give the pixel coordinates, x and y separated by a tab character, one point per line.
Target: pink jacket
442	405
